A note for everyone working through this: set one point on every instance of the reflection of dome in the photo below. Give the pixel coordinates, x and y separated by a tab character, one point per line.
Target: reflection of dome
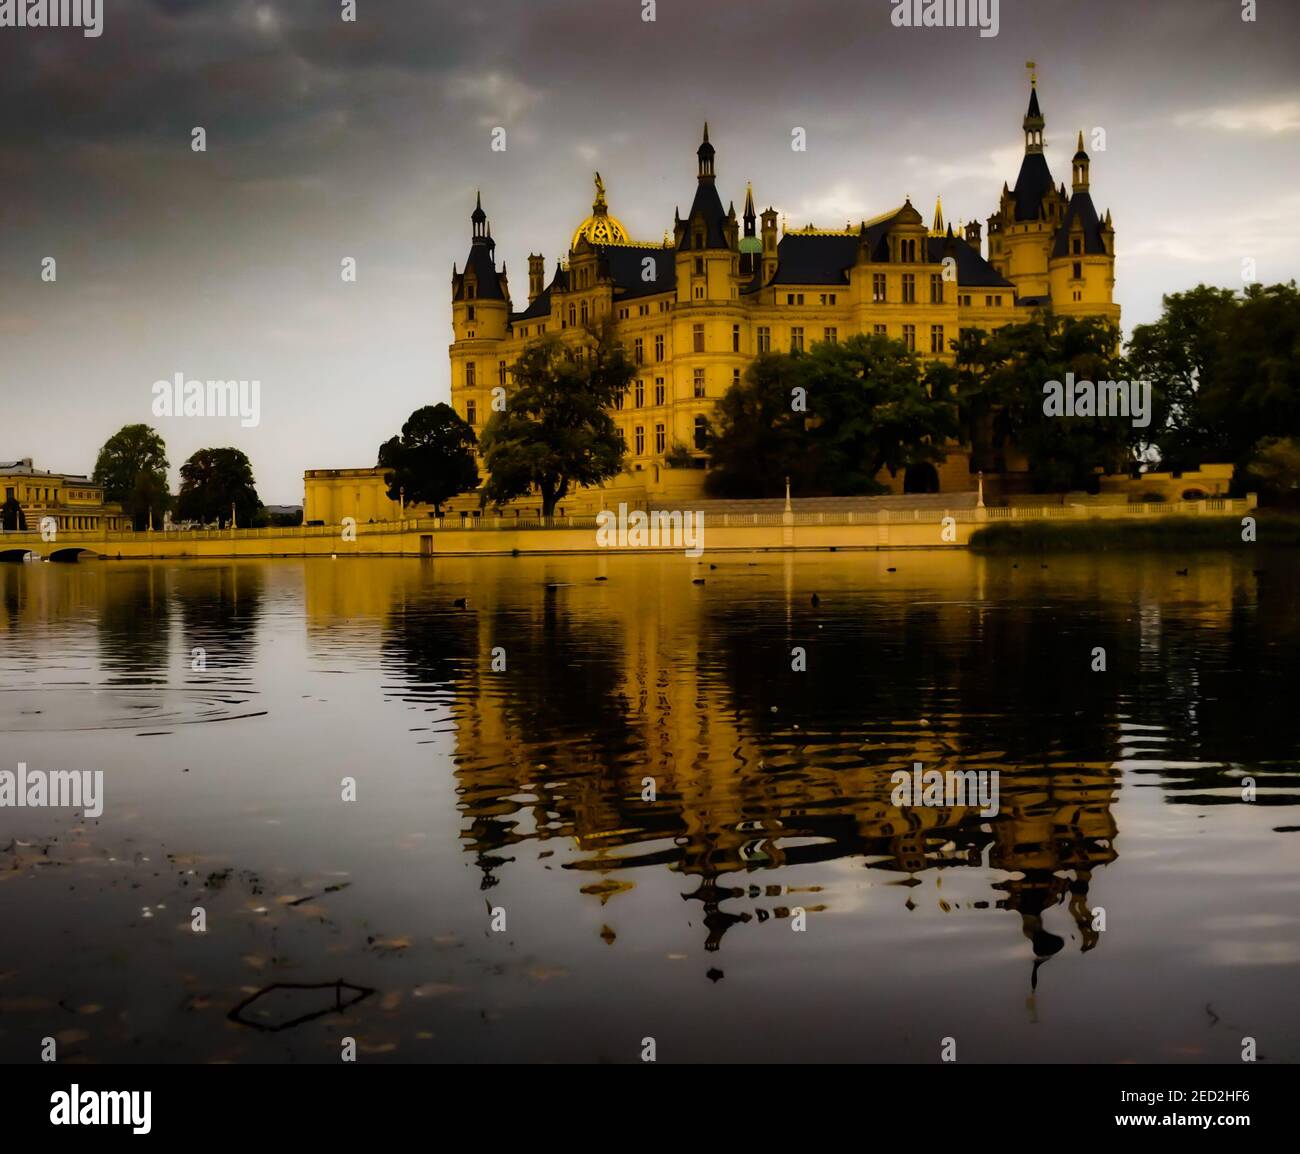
600	228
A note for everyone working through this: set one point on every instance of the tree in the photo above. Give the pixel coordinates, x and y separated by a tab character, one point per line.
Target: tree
1225	368
1276	466
1000	379
11	516
760	437
432	460
830	420
876	407
214	480
1177	354
132	468
556	431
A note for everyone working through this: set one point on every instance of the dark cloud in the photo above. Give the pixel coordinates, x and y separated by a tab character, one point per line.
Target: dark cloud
328	139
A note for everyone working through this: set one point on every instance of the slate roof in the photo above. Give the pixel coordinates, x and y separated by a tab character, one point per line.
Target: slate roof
708	206
1033	183
483	265
817	259
1082	210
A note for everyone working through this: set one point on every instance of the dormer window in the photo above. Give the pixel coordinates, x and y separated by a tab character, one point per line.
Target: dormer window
469	290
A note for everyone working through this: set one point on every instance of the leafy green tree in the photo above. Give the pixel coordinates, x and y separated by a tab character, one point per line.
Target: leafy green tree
12	516
875	406
432	460
830	420
212	482
132	468
1276	467
556	431
1000	379
759	436
1177	354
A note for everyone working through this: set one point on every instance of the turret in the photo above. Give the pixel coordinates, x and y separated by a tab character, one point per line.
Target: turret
536	276
769	245
1081	167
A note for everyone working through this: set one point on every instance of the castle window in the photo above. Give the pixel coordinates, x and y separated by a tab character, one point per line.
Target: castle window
640	393
697	336
659	347
699	292
1078	245
764	339
964	301
573	315
659	390
909	337
501	372
735	338
622	314
831	336
988	302
1078	270
470	375
909	288
796	339
470	290
471	412
638	350
1078	296
584	312
469	313
936	338
701	432
878	287
640	440
699	266
618	399
828	298
660	439
936	289
735	378
699	382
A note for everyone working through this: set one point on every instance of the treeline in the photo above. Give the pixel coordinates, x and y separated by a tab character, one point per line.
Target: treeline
215	483
1221	368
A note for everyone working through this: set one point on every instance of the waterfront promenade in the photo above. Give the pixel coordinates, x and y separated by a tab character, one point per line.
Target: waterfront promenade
942	522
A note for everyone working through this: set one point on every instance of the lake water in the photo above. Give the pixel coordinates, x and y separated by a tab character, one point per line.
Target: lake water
769	903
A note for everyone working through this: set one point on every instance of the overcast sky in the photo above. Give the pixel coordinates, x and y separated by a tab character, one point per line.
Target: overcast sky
329	139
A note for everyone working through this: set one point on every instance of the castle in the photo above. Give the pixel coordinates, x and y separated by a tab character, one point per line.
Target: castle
695	308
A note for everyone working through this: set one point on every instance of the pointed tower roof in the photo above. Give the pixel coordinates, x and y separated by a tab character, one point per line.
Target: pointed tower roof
478	216
1035	179
936	229
706	211
1081	154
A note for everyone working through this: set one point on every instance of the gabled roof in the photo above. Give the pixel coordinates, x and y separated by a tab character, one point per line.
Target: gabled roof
1083	212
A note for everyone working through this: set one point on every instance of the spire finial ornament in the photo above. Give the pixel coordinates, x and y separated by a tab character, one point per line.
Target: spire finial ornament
1033	73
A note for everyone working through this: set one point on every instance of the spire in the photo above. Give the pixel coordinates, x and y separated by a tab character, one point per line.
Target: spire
936	229
750	216
479	218
706	152
1034	121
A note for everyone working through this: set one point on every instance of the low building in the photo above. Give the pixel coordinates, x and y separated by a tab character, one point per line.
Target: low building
74	501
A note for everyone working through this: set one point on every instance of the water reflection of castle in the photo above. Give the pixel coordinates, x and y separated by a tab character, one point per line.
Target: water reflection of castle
606	685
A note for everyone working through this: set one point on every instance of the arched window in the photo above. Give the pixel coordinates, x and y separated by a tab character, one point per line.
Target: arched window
700	432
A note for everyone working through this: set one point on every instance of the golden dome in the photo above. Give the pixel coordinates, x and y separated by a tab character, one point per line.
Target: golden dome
600	228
